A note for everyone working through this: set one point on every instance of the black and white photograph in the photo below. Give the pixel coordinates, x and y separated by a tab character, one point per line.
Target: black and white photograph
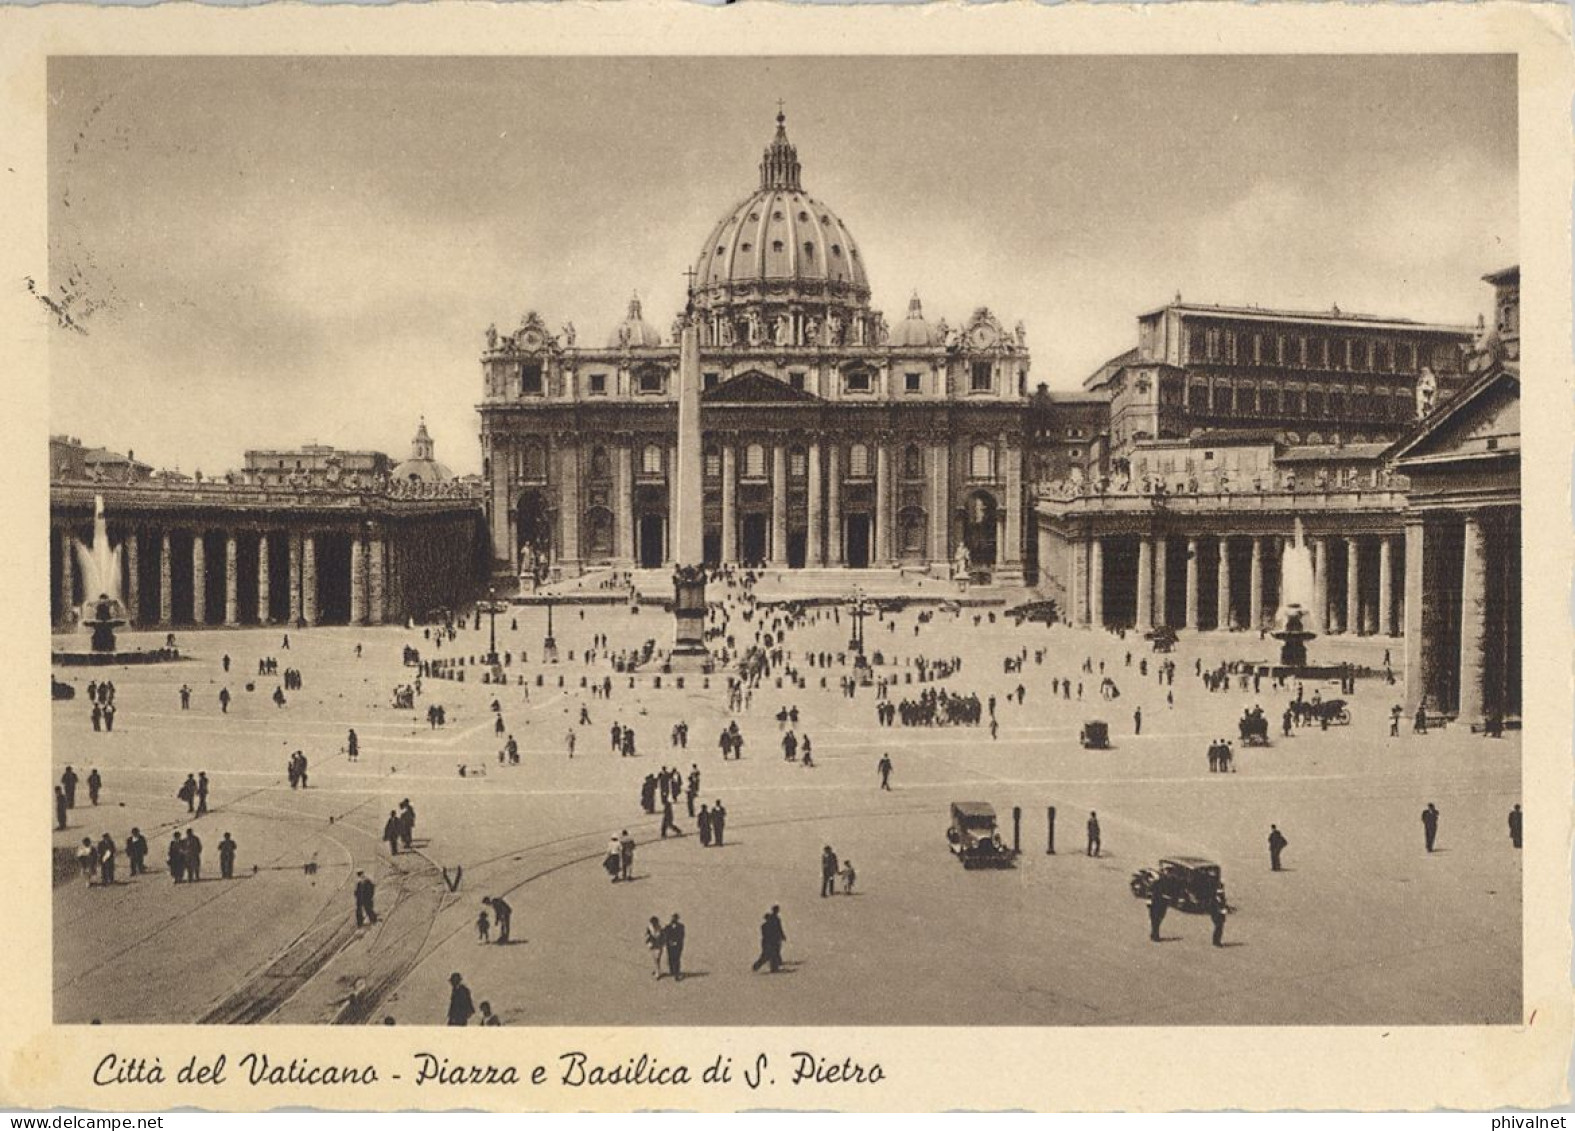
812	542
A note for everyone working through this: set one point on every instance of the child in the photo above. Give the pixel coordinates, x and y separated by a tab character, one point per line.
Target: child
847	877
483	927
487	1016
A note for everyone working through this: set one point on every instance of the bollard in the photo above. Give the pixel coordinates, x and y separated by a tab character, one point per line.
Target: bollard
583	682
560	681
541	680
1050	831
658	683
1017	829
706	683
680	683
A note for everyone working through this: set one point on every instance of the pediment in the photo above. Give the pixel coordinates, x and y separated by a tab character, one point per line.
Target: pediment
1483	419
755	387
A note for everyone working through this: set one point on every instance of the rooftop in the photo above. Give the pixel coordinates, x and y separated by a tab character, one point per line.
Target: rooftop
1334	316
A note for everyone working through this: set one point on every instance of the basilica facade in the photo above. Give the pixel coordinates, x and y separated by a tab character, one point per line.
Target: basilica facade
833	438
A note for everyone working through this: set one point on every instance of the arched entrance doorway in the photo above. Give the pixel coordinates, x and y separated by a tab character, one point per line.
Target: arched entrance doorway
754	541
979	523
533	533
858	543
652	533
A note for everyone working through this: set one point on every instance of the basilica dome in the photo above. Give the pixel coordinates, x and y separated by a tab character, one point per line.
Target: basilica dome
780	240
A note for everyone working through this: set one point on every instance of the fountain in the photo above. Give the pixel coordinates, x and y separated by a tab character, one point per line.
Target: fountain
99	566
1296	596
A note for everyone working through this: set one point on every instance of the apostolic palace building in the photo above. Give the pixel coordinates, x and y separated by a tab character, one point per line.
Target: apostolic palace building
1163	493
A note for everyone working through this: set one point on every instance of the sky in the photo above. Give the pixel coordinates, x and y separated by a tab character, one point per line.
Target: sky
264	252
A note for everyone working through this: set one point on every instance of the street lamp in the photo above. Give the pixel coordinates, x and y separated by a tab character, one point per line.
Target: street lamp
549	646
492	626
859	612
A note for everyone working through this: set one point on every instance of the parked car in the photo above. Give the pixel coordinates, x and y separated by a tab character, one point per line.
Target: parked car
1095	735
973	836
1187	883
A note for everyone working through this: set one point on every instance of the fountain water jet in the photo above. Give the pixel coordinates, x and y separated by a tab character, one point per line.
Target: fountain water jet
103	610
1296	572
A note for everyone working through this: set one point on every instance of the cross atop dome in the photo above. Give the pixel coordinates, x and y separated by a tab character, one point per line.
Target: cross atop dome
779	167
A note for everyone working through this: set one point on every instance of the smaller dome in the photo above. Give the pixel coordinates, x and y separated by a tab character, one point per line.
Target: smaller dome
634	332
423	471
914	330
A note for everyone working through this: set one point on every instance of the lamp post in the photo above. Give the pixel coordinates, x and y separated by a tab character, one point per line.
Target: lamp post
549	646
492	626
859	612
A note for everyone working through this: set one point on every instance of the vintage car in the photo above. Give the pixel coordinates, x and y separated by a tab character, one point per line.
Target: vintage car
1164	638
973	837
59	690
1095	735
1187	883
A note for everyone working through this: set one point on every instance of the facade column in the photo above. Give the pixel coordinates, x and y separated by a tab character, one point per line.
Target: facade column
1077	590
295	579
1145	583
569	507
1161	580
1473	620
882	503
623	518
1386	586
68	568
834	504
166	580
729	504
263	593
779	505
309	578
940	510
199	578
376	584
1222	587
1192	585
1353	587
357	578
1255	583
232	601
1320	609
813	552
1012	556
1096	583
1415	677
133	600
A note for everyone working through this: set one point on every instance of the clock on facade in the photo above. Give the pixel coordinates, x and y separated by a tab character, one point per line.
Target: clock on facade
982	336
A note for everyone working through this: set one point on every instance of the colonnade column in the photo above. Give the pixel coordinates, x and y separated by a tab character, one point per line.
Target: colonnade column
1161	580
940	507
1222	587
779	505
199	578
295	579
1386	585
375	586
729	504
623	529
1077	591
1255	587
1415	678
1145	584
1353	587
814	554
1473	620
67	573
232	603
357	578
1320	609
133	579
1192	585
882	503
263	593
1096	583
166	580
834	505
309	578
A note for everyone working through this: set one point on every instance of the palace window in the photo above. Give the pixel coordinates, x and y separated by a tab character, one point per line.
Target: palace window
755	462
796	382
912	462
1314	403
981	462
651	460
599	465
1336	403
858	462
856	381
798	463
713	463
776	246
1279	349
1195	345
652	381
530	379
598	384
809	251
983	377
910	382
711	381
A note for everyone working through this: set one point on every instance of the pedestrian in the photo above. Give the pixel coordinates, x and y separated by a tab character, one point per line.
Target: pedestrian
503	915
1137	721
407	824
772	936
1093	834
202	792
365	894
1156	914
610	861
68	782
188	793
667	818
391	831
176	858
828	872
673	940
97	716
60	808
1217	912
460	1010
1514	826
1277	843
87	860
884	767
193	857
654	942
353	746
487	1016
226	661
227	849
848	877
224	700
137	852
94	784
1430	824
718	822
703	820
1419	726
625	855
483	927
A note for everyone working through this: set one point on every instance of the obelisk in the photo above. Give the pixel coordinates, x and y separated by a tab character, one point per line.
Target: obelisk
689	609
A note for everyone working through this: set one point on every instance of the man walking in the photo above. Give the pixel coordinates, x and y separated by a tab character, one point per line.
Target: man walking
460	1008
1430	824
1514	826
1137	721
772	936
407	823
625	855
202	792
365	892
1217	913
828	872
718	822
95	783
137	852
503	914
227	849
193	857
1277	843
391	830
667	817
1093	834
1156	914
68	781
60	808
884	766
673	940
